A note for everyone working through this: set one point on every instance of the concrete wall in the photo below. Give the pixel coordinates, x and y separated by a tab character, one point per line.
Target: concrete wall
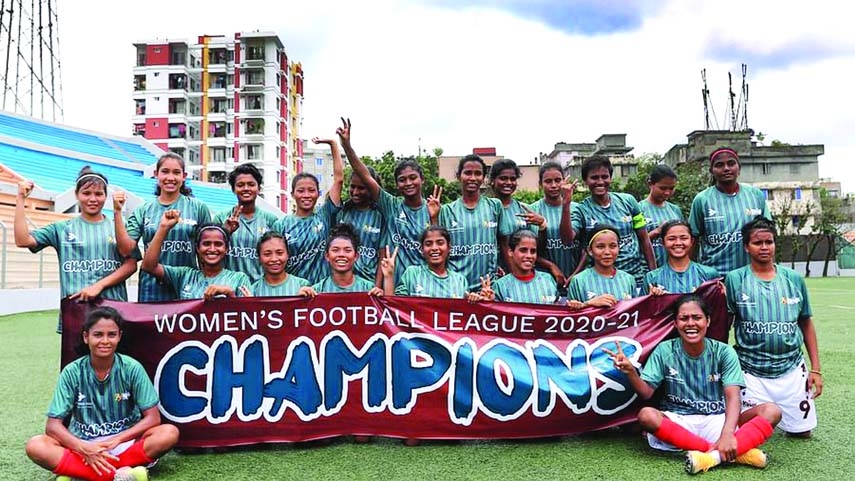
16	301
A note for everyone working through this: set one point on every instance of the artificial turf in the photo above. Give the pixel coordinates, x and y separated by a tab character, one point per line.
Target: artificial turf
29	362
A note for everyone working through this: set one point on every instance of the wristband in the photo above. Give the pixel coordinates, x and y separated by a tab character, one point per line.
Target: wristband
814	371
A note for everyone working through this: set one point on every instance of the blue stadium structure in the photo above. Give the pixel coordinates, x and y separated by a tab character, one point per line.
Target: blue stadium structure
51	155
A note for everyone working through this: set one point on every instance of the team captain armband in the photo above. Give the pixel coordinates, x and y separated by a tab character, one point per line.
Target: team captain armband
638	221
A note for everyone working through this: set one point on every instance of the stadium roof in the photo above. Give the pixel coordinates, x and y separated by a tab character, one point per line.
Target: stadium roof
51	155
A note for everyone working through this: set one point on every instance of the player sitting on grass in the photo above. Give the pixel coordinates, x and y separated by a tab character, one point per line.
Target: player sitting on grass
701	403
114	430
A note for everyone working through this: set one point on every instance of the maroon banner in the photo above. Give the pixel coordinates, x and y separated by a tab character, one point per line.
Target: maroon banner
260	369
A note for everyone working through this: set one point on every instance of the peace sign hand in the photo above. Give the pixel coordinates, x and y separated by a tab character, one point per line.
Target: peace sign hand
344	131
567	189
387	264
532	218
621	362
487	292
433	202
232	223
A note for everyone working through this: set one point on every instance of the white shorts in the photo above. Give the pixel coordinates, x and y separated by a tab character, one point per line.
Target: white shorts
121	448
790	392
707	426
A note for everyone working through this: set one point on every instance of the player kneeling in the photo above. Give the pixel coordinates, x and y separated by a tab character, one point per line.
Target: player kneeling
701	404
114	431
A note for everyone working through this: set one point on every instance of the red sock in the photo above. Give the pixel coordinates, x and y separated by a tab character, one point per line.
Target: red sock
134	456
72	465
679	437
752	434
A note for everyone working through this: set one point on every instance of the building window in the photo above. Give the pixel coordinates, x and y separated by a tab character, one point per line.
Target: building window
767	168
798	193
156	49
319	161
796	222
140	106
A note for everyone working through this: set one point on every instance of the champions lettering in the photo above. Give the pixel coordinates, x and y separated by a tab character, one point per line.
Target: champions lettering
307	254
88	265
472	250
176	246
559	244
724	238
502	380
243	252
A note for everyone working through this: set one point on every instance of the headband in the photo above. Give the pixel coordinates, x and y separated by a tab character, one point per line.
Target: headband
591	240
92	176
723	150
214	227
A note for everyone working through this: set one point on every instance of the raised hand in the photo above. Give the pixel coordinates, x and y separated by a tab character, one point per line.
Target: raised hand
621	362
656	290
170	219
433	202
232	223
387	264
319	140
25	188
376	292
487	293
344	131
567	189
119	199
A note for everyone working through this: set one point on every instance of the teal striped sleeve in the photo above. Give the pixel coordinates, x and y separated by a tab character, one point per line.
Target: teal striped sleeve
141	386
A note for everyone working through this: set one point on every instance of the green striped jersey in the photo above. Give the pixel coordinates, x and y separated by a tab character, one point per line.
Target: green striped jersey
766	324
655	216
328	285
369	225
624	214
693	385
474	241
420	281
673	282
289	287
190	283
717	218
566	257
540	290
403	228
307	241
511	222
177	249
102	408
87	253
242	256
589	284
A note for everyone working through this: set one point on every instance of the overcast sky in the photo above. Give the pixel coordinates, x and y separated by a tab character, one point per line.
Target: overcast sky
516	75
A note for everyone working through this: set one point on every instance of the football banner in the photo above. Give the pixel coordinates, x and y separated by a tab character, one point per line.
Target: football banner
263	369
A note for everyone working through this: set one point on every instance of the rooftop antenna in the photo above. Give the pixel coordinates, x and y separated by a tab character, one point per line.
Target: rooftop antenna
732	96
29	53
705	93
744	97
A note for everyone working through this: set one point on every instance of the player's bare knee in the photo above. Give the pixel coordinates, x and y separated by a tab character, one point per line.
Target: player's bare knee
771	412
36	448
160	439
649	418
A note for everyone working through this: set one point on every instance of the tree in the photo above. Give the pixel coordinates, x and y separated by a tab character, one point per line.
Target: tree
691	179
385	167
527	197
826	228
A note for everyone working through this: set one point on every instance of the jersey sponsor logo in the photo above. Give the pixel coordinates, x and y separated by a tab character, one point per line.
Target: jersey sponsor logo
713	214
121	396
626	218
402	217
187	291
490	224
788	301
745	301
592	223
752	212
82	403
673	375
370	229
419	289
71	238
591	294
318	227
714	377
454	226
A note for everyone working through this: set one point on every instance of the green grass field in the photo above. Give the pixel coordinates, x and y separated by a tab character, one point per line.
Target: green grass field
29	361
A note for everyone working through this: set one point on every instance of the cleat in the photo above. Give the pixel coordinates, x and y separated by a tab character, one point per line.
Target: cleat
139	473
697	461
67	478
753	457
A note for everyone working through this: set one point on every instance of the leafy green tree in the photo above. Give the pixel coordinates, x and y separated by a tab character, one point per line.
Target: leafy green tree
692	177
385	167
